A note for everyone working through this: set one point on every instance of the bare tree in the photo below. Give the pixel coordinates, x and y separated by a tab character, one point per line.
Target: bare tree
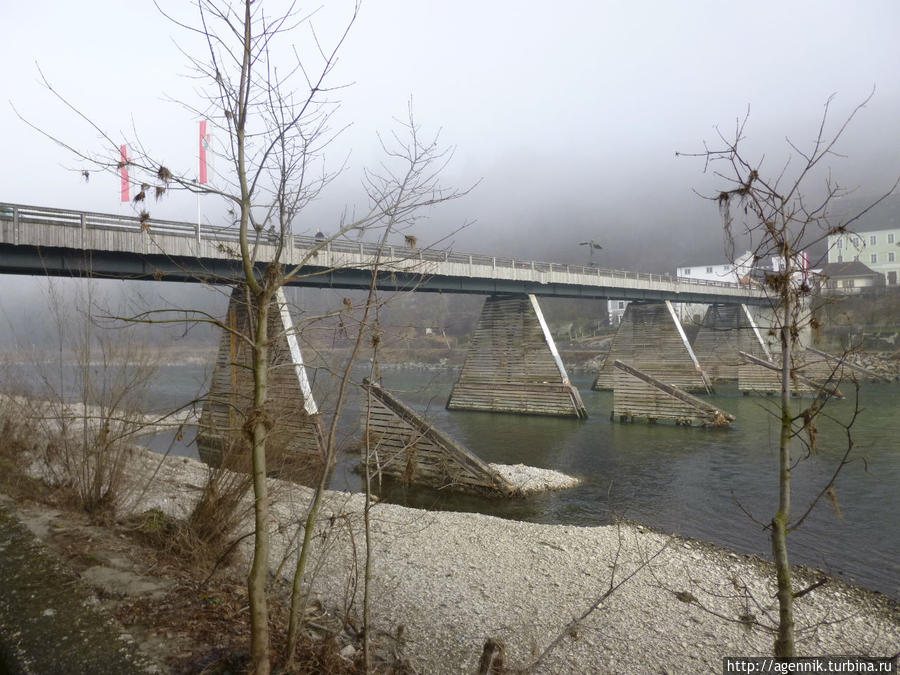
782	213
268	101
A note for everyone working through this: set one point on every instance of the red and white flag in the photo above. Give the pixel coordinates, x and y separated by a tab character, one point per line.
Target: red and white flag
123	168
204	146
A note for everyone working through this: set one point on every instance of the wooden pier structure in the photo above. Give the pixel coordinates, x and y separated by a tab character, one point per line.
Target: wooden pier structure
842	367
512	364
727	330
758	376
294	444
638	395
652	339
399	442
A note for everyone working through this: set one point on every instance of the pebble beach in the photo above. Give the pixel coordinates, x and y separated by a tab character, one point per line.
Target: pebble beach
445	582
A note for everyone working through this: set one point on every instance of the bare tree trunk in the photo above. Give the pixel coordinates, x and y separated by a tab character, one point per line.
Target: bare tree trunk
256	583
784	644
367	578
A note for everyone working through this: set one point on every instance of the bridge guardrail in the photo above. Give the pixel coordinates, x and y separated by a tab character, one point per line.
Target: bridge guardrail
22	214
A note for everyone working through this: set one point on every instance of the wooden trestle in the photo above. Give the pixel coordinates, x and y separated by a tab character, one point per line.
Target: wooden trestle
638	395
401	443
727	330
758	376
512	364
651	339
838	367
294	444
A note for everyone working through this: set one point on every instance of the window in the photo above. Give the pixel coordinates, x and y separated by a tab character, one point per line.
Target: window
891	256
725	268
873	258
687	271
891	238
872	240
709	270
840	243
847	283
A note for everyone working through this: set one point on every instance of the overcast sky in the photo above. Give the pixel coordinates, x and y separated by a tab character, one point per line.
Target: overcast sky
569	113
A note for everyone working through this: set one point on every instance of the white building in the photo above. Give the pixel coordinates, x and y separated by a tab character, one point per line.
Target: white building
879	250
616	309
733	273
730	272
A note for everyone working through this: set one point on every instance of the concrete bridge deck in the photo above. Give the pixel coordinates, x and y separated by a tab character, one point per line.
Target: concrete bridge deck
59	242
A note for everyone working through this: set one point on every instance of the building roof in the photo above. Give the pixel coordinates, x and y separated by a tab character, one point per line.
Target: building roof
854	268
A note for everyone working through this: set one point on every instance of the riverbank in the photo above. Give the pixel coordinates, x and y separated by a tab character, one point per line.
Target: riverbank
444	582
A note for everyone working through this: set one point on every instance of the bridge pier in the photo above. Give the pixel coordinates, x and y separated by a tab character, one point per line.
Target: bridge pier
399	442
726	331
512	364
294	444
652	339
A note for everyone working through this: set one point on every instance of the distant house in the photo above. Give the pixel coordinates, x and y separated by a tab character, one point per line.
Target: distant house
848	278
878	249
616	309
746	269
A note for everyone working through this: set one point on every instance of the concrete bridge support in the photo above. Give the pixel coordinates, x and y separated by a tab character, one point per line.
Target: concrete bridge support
294	444
726	331
512	364
651	339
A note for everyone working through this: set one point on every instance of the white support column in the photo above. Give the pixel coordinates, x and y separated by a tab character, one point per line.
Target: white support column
549	339
686	342
762	343
309	403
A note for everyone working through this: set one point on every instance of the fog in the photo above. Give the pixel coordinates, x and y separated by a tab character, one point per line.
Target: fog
566	117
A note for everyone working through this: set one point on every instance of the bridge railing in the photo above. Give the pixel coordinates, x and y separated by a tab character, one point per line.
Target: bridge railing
17	216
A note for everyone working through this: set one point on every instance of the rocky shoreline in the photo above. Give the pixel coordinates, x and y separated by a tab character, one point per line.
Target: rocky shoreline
445	582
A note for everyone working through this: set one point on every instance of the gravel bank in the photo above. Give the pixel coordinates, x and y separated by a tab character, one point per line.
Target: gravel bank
454	579
531	479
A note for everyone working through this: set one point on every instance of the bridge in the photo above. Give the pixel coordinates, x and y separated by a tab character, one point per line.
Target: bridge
512	364
60	242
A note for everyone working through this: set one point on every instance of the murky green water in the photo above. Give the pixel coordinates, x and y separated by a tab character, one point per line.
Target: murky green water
688	480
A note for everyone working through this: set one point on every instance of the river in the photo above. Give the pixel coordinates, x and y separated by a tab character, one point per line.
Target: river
690	481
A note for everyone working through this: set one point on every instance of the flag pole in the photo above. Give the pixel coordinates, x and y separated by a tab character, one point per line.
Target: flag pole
201	169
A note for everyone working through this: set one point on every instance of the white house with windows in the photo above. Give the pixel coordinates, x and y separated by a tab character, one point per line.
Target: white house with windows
737	272
616	309
847	278
879	250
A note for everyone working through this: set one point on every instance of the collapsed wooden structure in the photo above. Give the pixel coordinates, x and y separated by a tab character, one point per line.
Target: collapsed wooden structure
638	395
821	365
651	338
725	331
294	443
512	364
756	375
399	442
